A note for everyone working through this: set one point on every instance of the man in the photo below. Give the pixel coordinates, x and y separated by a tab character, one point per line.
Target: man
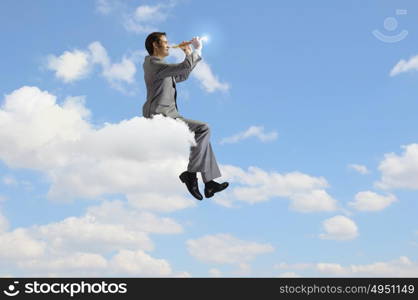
160	80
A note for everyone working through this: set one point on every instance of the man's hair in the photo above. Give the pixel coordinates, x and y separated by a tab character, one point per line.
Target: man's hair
152	37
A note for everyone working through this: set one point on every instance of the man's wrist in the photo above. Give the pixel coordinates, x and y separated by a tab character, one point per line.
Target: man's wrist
198	51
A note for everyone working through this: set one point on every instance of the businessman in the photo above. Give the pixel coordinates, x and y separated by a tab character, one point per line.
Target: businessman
160	80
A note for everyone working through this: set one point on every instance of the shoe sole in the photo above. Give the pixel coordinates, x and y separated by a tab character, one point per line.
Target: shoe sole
213	193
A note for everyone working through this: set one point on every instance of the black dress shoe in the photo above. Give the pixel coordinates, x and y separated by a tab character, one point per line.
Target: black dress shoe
213	187
190	180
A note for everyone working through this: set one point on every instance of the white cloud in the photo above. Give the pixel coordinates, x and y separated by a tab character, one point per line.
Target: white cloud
138	263
315	200
289	275
213	272
70	66
19	244
226	249
370	201
81	161
339	228
160	203
256	185
104	6
78	262
400	171
253	131
76	65
203	73
137	220
401	267
146	18
101	242
296	266
208	79
87	235
405	66
359	168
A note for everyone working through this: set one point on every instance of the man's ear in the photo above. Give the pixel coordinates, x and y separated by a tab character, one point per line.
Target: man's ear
155	45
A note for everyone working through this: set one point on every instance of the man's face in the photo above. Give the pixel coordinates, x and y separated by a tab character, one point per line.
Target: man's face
162	47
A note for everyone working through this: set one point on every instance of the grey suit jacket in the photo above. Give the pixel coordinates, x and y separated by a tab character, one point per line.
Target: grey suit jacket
160	80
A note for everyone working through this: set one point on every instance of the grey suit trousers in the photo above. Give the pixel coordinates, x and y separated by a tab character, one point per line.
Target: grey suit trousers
202	159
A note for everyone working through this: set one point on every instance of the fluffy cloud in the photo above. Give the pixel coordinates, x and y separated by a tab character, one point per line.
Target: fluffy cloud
82	161
370	201
104	6
145	18
256	185
70	66
102	242
400	171
75	262
139	263
76	65
19	244
253	131
203	73
87	235
208	79
405	66
359	168
339	228
401	267
225	249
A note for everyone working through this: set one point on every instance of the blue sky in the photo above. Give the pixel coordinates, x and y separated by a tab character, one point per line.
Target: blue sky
312	107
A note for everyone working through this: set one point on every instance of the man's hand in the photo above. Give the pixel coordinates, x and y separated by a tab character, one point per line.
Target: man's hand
186	48
197	43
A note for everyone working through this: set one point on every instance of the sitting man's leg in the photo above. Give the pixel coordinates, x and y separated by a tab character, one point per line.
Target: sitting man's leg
202	159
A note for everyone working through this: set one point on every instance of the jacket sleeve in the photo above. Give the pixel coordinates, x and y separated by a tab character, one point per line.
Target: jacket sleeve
179	71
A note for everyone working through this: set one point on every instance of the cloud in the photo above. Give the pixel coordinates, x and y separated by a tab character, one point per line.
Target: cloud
370	201
225	249
87	235
75	262
70	66
405	66
19	244
402	267
289	275
139	263
203	73
104	7
253	131
306	193
213	272
81	161
145	18
78	64
209	81
400	171
339	228
359	168
101	242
